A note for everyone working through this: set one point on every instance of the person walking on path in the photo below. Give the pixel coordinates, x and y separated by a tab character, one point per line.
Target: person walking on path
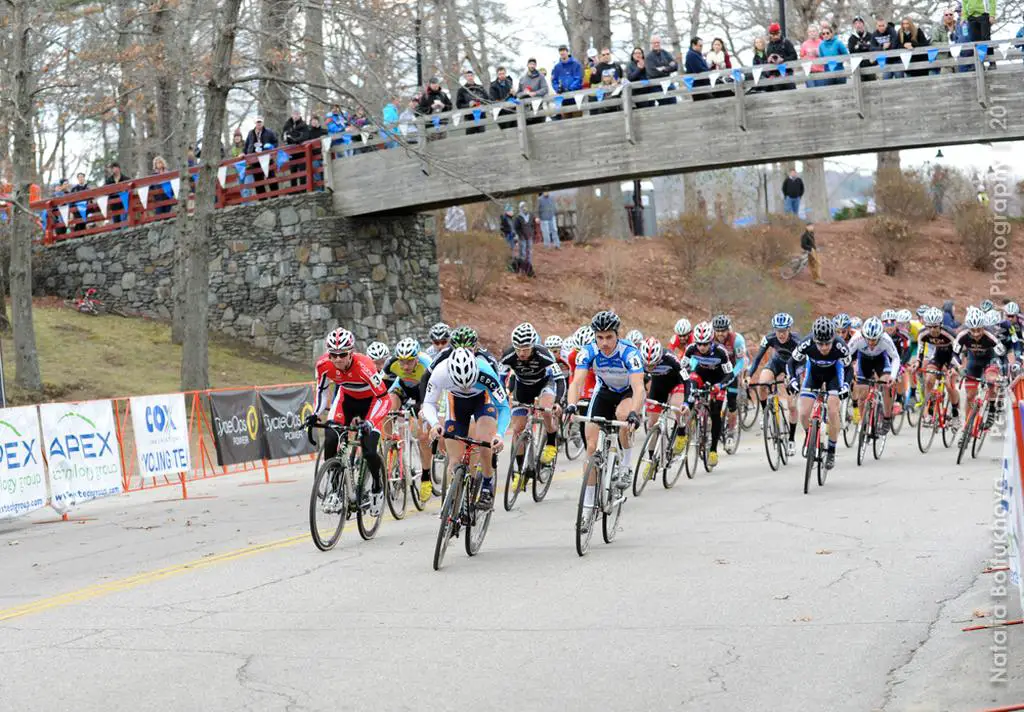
523	257
548	223
810	246
792	192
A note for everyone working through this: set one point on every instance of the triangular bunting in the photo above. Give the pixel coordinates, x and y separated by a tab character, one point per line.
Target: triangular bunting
688	81
325	144
982	51
125	195
172	188
222	176
83	208
933	53
240	169
364	135
282	157
143	192
477	113
807	67
558	100
782	69
495	111
954	50
599	94
757	75
714	77
264	160
832	66
665	84
617	90
435	120
1005	49
737	76
42	219
64	211
855	62
457	118
905	57
535	104
882	60
101	203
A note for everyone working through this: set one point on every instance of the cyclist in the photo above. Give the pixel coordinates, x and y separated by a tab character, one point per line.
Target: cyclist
359	394
937	341
618	395
379	353
709	363
984	354
440	335
825	356
474	393
407	368
782	342
682	337
535	378
634	338
666	381
876	357
583	337
736	346
1013	338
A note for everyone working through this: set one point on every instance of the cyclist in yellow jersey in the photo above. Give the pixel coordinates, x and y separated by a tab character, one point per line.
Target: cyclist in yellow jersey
407	367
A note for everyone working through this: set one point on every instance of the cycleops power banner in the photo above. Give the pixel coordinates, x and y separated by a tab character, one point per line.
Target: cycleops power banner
160	425
284	412
22	473
237	430
80	444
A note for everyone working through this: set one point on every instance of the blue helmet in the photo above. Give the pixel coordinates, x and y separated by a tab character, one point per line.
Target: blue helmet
782	320
842	320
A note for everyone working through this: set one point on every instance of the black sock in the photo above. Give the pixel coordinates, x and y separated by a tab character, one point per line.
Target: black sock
519	461
956	409
425	476
551	438
680	431
792	432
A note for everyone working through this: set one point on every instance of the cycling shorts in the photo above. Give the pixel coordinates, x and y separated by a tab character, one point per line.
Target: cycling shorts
523	393
979	369
372	410
941	358
776	365
463	409
815	378
409	394
871	366
664	394
605	401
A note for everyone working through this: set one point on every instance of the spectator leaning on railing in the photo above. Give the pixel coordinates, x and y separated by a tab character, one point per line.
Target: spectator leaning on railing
980	14
604	64
499	91
885	40
636	71
567	76
434	100
471	95
910	36
831	46
717	57
695	64
861	42
659	64
532	85
114	207
780	51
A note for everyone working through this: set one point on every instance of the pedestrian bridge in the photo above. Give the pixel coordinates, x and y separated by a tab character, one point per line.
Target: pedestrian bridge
968	94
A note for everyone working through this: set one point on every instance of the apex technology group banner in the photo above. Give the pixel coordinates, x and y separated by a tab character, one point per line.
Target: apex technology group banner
237	431
81	448
284	411
160	424
22	473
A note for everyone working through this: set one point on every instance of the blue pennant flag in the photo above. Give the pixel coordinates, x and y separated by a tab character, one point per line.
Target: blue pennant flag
3	217
688	81
881	60
240	169
42	219
282	158
513	100
737	75
831	66
195	177
982	51
600	94
83	208
436	120
168	190
124	200
477	113
645	83
782	69
348	139
932	54
558	100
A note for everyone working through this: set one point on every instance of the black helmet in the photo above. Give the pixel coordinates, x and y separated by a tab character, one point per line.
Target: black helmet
721	323
823	331
464	337
605	321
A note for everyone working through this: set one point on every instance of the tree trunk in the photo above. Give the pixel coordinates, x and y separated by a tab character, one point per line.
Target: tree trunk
619	226
888	159
166	94
816	190
690	194
313	43
274	63
195	354
26	358
673	29
125	152
762	193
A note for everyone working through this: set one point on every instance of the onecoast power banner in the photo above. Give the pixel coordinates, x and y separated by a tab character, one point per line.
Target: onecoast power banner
80	443
22	472
237	431
160	425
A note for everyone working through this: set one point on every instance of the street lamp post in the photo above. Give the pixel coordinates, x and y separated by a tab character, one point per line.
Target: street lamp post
418	24
782	16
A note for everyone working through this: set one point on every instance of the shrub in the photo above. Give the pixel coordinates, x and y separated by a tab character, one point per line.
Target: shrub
593	216
768	246
894	237
976	230
733	287
696	239
581	300
904	195
613	262
476	257
851	212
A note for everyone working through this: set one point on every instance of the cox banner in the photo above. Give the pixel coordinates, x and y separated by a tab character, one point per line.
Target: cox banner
81	448
237	431
22	474
284	412
160	424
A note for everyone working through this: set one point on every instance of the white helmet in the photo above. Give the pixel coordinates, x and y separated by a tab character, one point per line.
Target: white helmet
407	348
703	333
933	317
634	337
584	336
993	318
340	341
903	316
683	327
889	315
378	351
974	319
524	335
553	343
463	368
1011	309
440	332
872	328
651	351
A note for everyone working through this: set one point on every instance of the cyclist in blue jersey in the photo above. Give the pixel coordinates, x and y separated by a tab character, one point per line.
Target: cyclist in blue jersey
618	395
736	346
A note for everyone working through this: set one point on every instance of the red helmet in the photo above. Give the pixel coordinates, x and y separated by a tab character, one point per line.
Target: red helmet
340	341
703	333
651	351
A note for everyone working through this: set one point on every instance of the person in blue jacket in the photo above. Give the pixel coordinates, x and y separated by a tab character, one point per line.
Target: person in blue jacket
948	317
566	76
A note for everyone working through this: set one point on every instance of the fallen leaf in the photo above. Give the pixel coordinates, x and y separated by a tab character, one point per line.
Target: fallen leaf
823	552
13	542
721	561
783	597
979	613
802	619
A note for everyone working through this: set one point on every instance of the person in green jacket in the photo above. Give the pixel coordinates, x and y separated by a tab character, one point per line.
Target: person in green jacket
980	16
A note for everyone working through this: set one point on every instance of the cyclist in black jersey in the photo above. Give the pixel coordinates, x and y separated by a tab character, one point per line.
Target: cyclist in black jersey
534	378
826	357
939	343
985	357
781	342
710	364
667	382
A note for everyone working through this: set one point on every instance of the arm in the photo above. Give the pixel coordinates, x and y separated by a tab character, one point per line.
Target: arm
636	383
322	384
760	355
433	392
894	359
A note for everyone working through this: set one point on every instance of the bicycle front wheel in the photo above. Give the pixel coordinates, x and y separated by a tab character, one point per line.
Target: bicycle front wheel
450	512
573	439
982	431
477	521
792	268
368	515
848	426
926	432
327	504
586	516
748	408
692	453
878	441
649	462
542	479
770	435
396	488
811	449
514	478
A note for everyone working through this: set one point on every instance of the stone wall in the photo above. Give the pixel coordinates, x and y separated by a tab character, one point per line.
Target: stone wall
283	272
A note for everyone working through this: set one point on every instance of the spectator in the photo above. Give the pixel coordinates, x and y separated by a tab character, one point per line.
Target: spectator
336	120
718	57
885	40
522	260
636	71
809	51
567	76
434	100
979	14
115	208
694	64
949	316
910	36
259	138
532	85
501	91
831	46
237	144
159	167
508	228
546	211
455	219
606	63
471	95
607	87
809	245
760	59
389	119
792	192
295	129
407	122
588	69
949	33
80	183
780	51
861	42
660	64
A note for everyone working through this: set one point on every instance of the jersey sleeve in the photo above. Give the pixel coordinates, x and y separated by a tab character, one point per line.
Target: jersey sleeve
760	355
584	359
437	382
894	358
323	383
488	379
368	373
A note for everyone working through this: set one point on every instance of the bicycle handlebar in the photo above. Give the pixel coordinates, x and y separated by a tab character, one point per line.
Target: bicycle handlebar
667	406
331	425
596	420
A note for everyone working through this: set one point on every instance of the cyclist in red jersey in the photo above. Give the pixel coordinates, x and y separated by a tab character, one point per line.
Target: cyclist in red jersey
682	337
360	393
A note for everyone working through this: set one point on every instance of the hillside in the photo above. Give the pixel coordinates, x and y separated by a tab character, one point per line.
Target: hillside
649	295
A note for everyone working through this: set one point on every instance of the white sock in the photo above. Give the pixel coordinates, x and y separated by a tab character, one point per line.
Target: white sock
627	458
588	496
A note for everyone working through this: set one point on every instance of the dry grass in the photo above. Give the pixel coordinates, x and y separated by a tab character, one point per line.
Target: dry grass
732	287
581	300
768	246
976	230
696	240
904	195
478	257
593	216
894	238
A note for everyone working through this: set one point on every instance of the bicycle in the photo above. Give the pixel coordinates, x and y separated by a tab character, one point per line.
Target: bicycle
980	415
731	436
815	446
748	407
896	424
774	427
871	415
698	445
602	466
846	424
92	305
571	439
459	510
336	494
935	415
657	451
402	465
531	442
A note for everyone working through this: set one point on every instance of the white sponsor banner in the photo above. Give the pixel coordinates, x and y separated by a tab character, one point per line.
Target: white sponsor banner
22	472
80	444
160	425
1013	501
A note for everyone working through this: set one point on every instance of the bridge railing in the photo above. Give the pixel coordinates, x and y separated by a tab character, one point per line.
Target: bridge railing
738	82
279	171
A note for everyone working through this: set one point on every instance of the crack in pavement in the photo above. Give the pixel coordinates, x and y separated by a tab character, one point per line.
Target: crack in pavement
716	676
291	577
769	517
247	682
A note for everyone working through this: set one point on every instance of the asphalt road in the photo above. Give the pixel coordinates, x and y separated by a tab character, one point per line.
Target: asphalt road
733	591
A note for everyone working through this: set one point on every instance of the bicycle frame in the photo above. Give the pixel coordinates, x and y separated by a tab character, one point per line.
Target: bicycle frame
606	458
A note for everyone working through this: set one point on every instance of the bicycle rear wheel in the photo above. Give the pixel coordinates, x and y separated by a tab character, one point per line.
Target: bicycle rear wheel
513	484
849	427
878	441
692	453
610	519
926	432
396	489
573	439
748	410
792	268
811	448
366	520
542	479
735	440
897	422
586	516
329	498
770	435
450	511
967	434
979	439
477	521
649	462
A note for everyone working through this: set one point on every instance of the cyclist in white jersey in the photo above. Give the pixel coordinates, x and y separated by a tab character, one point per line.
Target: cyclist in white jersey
875	356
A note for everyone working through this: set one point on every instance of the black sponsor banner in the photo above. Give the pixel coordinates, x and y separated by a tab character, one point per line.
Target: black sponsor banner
237	430
284	412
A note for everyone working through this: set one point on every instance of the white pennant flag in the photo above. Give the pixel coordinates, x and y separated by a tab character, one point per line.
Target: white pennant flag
175	186
855	62
265	164
714	77
101	202
955	51
143	195
757	75
222	176
618	90
365	136
905	57
535	104
807	68
494	112
456	119
1005	49
325	145
63	210
665	84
